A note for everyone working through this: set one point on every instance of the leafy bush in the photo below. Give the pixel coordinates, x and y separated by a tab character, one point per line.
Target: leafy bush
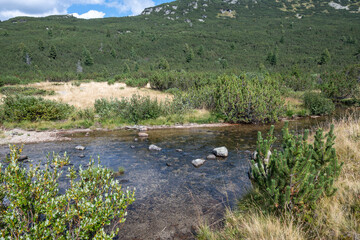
296	176
28	108
318	104
36	209
134	109
340	85
9	80
163	80
137	82
245	99
299	83
203	97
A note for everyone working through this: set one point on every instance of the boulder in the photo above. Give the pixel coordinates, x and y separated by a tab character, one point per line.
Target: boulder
153	147
198	162
221	152
80	148
132	146
211	157
179	150
142	134
81	156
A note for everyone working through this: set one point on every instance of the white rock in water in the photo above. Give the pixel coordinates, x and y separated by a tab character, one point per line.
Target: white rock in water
221	152
211	157
142	134
153	147
198	162
81	148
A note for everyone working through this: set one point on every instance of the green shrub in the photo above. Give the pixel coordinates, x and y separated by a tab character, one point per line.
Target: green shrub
26	91
199	98
341	85
298	174
318	104
134	109
9	80
163	80
137	82
245	99
28	108
37	210
111	81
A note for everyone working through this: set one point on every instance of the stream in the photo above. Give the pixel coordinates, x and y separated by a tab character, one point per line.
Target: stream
172	196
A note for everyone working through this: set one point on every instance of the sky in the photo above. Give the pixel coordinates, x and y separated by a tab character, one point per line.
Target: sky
86	9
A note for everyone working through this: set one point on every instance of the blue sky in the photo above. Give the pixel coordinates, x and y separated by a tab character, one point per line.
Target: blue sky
79	8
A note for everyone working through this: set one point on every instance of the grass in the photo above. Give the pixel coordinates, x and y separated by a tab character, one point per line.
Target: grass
84	95
2	134
194	116
27	91
337	217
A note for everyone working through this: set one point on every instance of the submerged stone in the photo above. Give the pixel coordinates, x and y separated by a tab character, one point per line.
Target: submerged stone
153	147
198	162
80	148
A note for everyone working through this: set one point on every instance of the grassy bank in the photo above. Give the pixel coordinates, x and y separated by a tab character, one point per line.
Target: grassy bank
336	217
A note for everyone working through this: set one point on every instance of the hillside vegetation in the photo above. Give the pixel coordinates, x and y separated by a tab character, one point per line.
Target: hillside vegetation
197	35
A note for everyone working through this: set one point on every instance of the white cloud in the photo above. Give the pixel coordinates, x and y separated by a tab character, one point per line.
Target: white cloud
40	8
90	14
133	6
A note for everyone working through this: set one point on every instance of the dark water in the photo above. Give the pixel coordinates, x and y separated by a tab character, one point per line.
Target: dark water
171	200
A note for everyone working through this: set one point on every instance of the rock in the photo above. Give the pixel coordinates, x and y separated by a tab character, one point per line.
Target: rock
132	146
221	152
198	162
23	158
136	140
80	148
81	156
211	157
168	164
87	134
143	129
153	147
142	134
179	150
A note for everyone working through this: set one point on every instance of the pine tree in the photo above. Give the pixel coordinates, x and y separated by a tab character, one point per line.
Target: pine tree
300	173
325	57
41	45
163	64
88	59
108	33
52	52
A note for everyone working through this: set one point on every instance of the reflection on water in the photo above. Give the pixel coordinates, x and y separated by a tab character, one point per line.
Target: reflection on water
172	196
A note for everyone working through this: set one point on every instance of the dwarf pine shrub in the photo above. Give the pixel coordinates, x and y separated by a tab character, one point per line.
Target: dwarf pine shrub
28	108
245	99
33	208
297	175
318	104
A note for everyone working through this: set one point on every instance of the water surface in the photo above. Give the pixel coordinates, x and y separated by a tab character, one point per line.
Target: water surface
172	196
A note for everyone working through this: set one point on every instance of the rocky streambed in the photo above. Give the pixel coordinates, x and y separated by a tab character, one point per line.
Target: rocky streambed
173	196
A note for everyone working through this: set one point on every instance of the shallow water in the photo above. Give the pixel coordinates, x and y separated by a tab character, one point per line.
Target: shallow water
171	200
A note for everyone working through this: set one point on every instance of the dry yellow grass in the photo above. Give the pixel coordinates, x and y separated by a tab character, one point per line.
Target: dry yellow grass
84	96
337	217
